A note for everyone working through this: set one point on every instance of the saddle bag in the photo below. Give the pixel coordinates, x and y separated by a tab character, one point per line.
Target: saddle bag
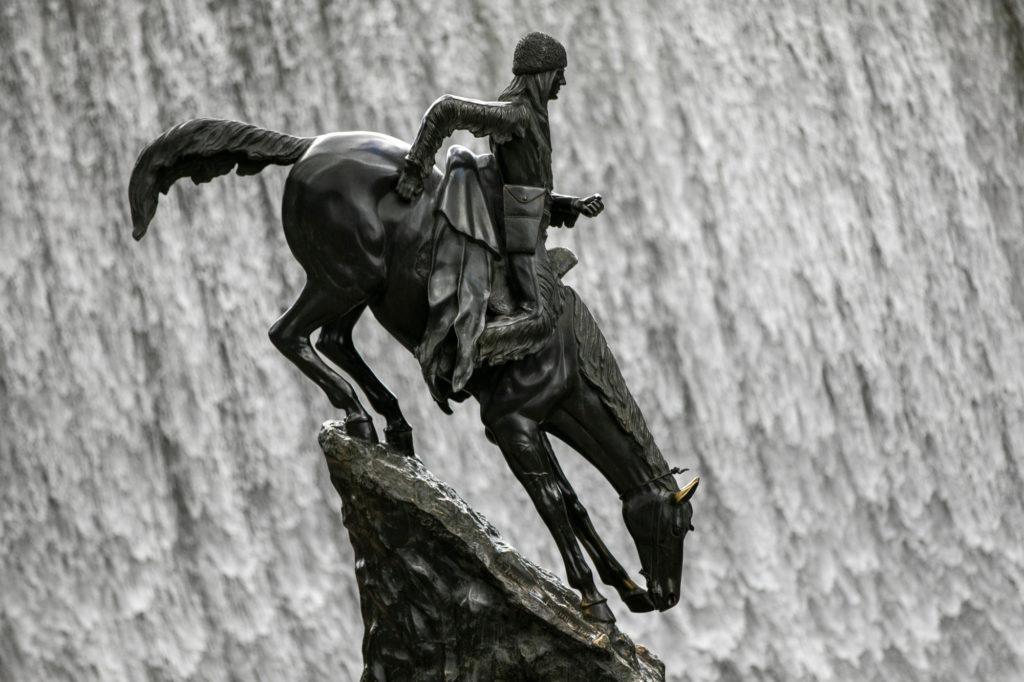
523	212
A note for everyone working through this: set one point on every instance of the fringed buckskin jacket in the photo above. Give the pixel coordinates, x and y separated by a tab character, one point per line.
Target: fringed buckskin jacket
519	140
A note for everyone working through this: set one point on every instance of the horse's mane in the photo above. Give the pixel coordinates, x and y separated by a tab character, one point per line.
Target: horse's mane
600	370
596	362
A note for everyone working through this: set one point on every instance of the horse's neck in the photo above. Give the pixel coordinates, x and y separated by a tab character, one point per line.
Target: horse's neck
627	462
604	422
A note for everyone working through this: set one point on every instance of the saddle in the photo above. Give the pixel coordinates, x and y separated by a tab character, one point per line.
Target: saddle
467	284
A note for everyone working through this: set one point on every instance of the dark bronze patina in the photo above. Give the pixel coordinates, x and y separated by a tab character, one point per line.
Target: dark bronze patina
361	215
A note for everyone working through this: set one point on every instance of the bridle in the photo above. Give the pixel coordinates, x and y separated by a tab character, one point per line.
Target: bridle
637	488
653	547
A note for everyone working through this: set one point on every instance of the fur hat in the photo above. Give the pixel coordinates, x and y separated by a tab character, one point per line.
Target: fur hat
538	52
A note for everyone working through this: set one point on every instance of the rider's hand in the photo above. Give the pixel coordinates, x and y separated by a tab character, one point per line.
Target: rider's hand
590	206
409	185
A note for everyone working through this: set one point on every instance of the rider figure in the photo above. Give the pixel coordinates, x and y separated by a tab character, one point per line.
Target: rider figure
521	142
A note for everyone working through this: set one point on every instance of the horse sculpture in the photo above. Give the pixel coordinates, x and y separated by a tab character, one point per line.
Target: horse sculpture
361	247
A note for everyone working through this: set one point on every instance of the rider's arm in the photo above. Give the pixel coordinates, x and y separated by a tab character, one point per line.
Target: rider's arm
500	120
564	210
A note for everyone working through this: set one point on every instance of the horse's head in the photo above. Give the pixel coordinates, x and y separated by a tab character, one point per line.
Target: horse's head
658	520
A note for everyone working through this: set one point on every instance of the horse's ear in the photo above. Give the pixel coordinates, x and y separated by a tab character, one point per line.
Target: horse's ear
686	492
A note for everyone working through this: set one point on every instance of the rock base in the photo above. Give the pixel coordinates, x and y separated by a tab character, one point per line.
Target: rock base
444	598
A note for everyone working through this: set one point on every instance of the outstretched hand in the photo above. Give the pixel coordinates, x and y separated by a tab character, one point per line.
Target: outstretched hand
590	206
409	186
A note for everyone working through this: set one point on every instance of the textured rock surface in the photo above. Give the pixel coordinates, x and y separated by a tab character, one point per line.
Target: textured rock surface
443	596
811	269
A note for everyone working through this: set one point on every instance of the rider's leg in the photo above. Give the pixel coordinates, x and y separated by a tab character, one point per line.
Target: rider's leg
523	275
522	279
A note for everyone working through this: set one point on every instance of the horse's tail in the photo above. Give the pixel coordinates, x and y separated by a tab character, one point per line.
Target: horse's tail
202	149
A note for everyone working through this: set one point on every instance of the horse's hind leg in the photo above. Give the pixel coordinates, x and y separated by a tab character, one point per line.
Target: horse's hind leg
335	342
290	334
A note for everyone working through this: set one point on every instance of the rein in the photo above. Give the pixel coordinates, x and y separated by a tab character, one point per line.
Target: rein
670	472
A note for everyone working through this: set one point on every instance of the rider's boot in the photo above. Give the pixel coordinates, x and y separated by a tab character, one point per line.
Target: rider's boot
525	311
523	281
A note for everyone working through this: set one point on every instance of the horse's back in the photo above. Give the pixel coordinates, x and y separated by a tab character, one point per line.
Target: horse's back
377	151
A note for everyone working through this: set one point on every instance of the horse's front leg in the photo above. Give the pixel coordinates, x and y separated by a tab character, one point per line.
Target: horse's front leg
520	440
611	571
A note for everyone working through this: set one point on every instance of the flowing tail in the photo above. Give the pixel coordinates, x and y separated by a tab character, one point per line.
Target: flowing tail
202	149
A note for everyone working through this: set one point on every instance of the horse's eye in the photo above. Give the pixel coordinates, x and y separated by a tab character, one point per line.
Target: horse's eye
677	530
692	528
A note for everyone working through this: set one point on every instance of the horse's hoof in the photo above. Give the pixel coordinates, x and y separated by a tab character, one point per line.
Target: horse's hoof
361	428
400	440
598	611
638	601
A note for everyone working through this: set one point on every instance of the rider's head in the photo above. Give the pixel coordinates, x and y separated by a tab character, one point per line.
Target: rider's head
538	52
539	65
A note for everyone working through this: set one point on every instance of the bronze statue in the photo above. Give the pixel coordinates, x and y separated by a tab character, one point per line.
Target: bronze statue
454	267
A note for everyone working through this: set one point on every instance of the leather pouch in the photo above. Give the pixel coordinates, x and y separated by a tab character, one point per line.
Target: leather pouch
523	212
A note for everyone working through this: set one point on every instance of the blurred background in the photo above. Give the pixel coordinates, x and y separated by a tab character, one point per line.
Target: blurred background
811	270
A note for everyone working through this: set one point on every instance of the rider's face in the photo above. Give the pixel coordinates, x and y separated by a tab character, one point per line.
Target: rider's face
557	83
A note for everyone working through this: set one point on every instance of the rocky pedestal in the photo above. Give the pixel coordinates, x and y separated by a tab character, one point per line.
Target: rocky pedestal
444	598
